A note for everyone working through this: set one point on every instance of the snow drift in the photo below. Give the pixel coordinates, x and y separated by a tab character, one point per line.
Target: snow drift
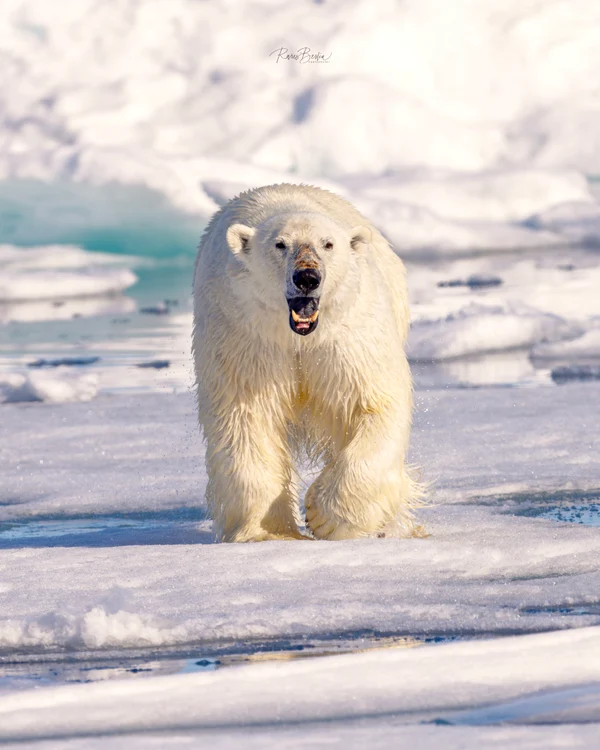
448	105
58	386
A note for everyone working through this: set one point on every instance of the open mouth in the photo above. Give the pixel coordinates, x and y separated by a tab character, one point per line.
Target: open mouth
304	314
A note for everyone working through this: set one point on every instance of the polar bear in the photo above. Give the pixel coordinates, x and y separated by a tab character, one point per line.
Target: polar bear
300	321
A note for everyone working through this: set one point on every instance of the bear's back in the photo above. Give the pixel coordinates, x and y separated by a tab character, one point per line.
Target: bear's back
254	206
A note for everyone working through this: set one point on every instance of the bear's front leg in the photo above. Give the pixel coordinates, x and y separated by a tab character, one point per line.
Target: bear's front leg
365	487
250	491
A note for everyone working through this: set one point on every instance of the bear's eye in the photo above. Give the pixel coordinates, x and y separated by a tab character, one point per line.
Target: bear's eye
329	245
280	245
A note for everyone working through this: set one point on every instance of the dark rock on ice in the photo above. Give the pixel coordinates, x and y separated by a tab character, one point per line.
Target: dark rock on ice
568	373
157	364
160	309
476	281
64	361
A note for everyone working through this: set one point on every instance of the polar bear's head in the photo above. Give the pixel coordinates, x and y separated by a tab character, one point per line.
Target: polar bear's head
298	258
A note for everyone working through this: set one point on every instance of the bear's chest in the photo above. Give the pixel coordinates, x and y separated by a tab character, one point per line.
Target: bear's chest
325	385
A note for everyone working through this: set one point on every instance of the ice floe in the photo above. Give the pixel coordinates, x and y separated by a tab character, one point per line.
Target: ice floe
58	386
477	329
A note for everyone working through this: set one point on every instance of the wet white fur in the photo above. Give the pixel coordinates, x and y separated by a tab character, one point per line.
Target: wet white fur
343	393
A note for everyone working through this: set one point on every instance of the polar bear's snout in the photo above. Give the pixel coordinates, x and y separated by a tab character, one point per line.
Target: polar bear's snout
307	280
303	289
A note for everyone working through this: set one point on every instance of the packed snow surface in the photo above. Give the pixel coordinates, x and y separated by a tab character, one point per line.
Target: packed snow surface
56	460
83	570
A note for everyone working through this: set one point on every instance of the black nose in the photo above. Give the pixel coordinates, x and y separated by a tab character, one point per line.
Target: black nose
306	279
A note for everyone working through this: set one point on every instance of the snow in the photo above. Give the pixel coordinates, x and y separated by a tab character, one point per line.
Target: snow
431	679
404	683
58	272
469	134
477	329
496	196
546	303
92	565
585	347
416	232
455	581
578	222
473	145
481	103
32	311
55	387
61	284
357	734
57	257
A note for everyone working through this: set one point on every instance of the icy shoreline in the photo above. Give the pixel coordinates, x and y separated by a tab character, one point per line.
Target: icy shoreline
408	684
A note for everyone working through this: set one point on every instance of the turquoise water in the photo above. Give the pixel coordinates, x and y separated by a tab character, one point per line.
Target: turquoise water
114	219
126	220
138	222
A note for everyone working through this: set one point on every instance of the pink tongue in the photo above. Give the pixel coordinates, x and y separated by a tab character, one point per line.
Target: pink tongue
302	325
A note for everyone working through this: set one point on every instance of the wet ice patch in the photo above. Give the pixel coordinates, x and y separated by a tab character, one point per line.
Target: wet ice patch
572	706
581	507
588	609
589	515
168	526
22	671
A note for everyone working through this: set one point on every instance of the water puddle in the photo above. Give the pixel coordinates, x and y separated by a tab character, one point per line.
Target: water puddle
37	670
576	610
578	705
566	506
588	515
173	526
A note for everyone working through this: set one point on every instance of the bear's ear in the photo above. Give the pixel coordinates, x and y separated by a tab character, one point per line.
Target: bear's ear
360	236
238	238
